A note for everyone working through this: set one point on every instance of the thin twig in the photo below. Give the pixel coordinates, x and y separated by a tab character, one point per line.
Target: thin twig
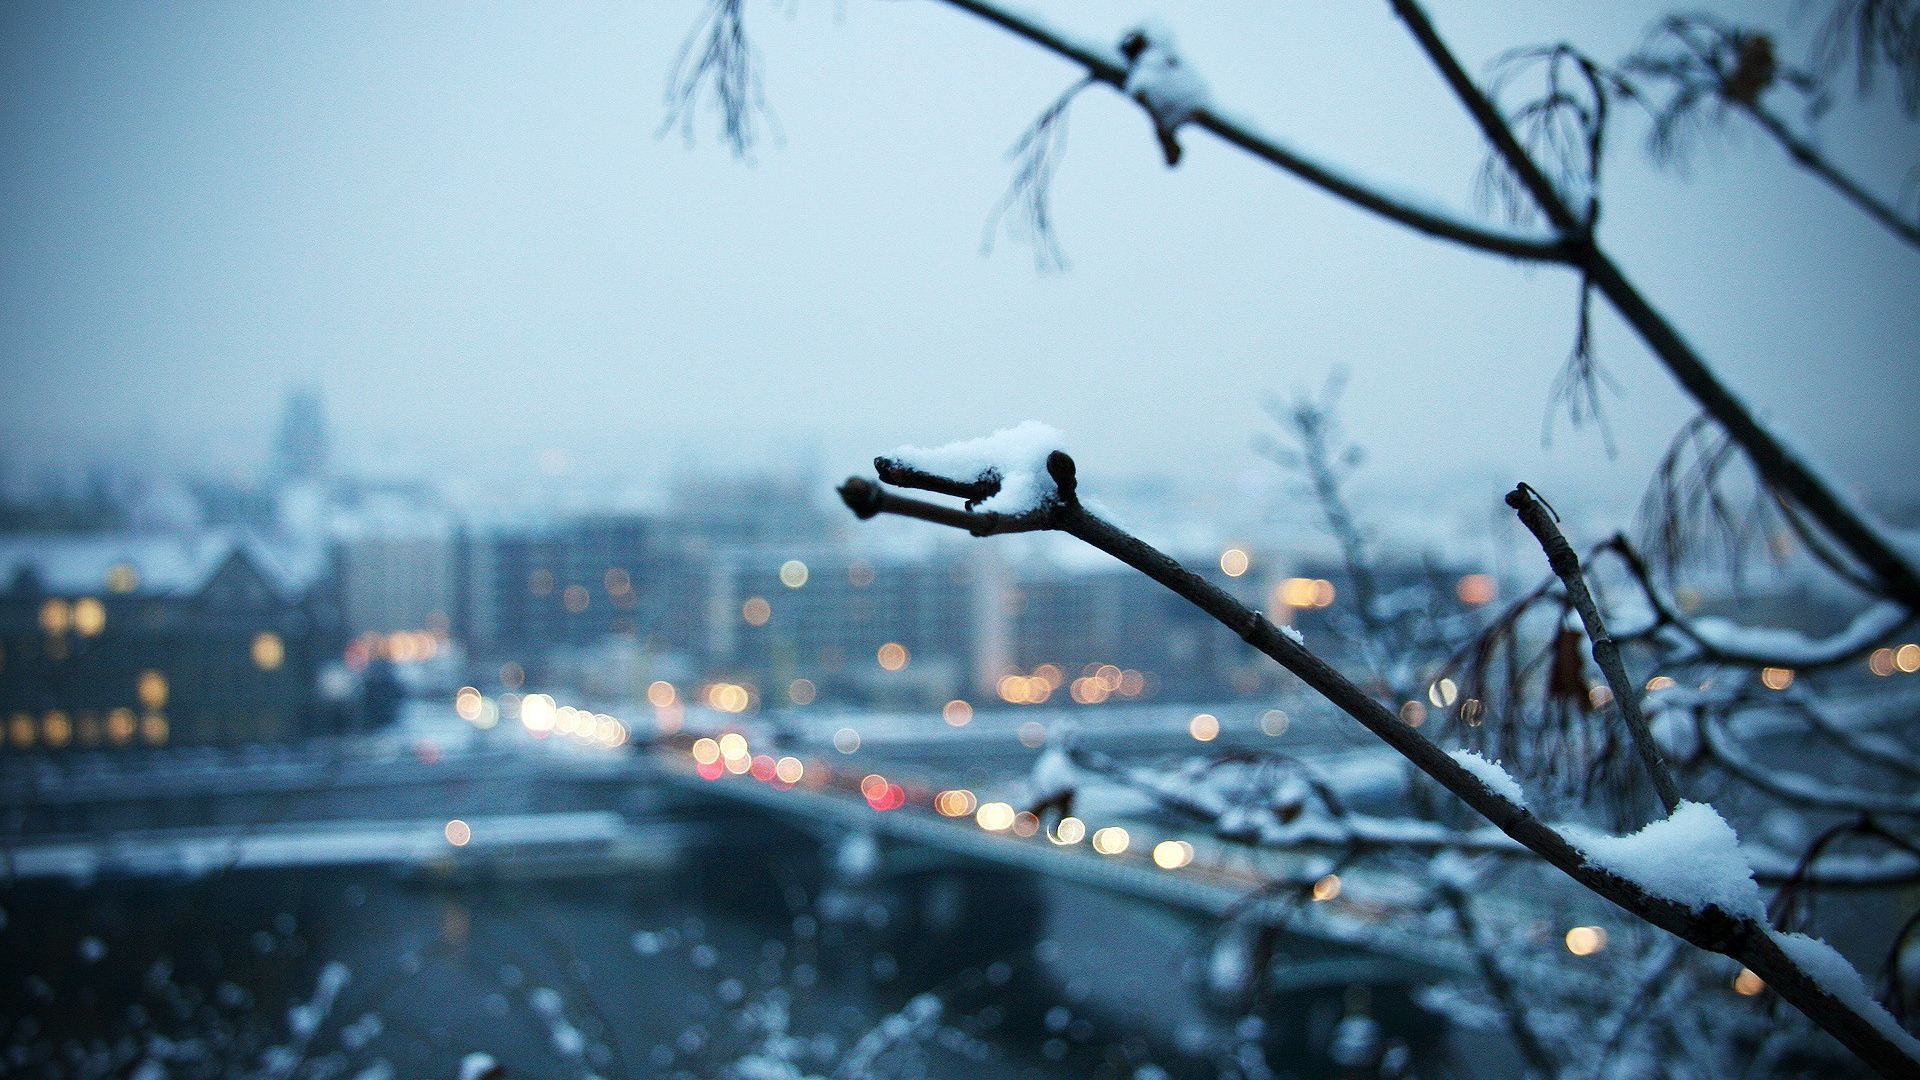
1538	518
1512	1006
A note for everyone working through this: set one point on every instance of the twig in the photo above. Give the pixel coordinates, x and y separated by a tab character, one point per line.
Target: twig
1503	989
1537	517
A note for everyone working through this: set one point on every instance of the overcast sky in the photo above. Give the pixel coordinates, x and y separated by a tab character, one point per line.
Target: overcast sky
457	220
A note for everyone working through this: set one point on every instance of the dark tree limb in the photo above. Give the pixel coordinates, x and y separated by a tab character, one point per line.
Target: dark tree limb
1709	927
1782	469
1109	67
1807	157
1573	245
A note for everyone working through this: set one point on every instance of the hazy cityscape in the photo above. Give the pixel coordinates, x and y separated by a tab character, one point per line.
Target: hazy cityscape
506	573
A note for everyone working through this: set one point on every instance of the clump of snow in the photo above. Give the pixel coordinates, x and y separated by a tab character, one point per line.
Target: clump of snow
1298	638
1692	857
1455	869
479	1066
1791	647
1017	455
1492	775
1053	775
1160	80
1837	977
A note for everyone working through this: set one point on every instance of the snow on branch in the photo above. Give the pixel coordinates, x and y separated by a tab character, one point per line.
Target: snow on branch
1728	641
1491	774
1691	857
1002	473
1165	85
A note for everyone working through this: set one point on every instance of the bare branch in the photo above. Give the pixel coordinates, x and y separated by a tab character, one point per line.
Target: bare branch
1029	197
1870	34
1783	470
1499	984
1536	515
1713	70
719	60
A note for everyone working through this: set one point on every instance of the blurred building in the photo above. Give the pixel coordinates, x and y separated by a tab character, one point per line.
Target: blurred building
532	593
127	640
300	448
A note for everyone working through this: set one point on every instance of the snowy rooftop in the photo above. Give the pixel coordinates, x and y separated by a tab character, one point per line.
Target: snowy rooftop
160	565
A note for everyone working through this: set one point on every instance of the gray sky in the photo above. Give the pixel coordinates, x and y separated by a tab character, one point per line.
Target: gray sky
457	220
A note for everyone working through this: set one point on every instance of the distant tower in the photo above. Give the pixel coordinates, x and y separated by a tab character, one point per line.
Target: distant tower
300	450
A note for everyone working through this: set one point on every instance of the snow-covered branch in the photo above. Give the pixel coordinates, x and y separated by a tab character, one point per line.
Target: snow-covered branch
1684	874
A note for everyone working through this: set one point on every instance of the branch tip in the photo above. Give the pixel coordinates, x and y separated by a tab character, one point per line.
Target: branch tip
1065	475
862	497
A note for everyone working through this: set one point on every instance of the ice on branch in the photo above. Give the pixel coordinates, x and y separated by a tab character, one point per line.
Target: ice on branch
1837	977
1165	85
1014	458
1692	858
479	1066
1492	775
1794	649
1053	775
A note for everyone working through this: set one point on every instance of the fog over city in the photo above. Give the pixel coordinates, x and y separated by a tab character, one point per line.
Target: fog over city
462	227
881	540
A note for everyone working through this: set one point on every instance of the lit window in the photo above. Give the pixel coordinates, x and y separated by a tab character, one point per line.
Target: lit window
151	689
89	616
55	616
1474	589
1586	940
269	652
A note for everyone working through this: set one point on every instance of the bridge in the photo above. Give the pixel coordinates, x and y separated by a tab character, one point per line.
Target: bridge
530	809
